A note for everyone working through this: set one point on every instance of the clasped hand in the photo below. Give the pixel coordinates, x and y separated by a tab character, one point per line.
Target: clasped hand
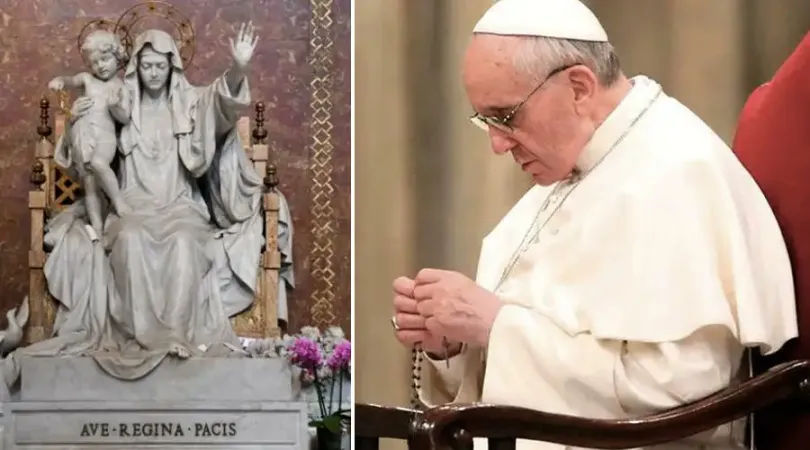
440	304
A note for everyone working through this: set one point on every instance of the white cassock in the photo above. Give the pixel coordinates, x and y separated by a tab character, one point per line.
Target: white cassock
642	291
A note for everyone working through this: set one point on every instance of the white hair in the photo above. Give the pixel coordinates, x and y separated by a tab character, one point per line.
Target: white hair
537	56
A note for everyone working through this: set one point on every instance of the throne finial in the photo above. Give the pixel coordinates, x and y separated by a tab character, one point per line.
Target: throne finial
259	132
44	129
270	178
37	174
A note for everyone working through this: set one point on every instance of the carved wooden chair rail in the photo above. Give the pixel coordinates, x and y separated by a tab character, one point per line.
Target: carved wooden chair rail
454	425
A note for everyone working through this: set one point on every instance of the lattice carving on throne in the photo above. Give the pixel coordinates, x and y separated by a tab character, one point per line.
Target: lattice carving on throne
54	189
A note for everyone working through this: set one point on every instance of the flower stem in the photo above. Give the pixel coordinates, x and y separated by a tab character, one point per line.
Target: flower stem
319	393
331	394
340	389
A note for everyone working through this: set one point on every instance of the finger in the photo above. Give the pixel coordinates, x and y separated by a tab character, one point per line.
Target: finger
410	322
404	286
241	32
427	308
255	41
429	342
233	45
427	276
412	337
405	304
425	291
432	325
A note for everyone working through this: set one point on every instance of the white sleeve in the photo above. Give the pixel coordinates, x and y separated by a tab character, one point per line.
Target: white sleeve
461	382
582	375
654	377
451	374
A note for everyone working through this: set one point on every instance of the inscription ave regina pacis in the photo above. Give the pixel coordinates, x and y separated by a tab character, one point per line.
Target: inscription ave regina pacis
158	429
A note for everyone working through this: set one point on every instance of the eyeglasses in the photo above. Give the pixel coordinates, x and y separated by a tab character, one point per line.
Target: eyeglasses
503	123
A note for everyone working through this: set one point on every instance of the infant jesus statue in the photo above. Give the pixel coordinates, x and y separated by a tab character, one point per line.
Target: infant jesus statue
92	138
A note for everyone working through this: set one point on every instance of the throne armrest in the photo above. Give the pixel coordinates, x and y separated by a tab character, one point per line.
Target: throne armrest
451	426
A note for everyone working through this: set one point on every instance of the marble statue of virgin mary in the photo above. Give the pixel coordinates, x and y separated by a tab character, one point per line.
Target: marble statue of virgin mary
165	279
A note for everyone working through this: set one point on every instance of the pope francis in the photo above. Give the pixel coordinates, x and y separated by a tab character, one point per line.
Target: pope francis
636	273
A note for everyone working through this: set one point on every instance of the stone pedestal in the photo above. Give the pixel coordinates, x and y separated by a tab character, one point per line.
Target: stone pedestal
222	403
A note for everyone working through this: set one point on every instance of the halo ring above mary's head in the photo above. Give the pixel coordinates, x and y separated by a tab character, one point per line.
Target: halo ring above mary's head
142	16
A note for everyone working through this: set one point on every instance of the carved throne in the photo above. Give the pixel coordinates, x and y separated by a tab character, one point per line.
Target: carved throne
773	143
54	190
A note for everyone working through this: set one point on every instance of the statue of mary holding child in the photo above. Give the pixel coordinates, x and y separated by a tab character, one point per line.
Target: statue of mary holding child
165	278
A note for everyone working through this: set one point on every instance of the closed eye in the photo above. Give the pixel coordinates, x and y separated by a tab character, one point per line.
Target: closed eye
497	111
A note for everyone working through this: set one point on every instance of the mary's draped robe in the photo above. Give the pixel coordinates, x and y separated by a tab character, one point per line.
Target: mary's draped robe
642	292
187	258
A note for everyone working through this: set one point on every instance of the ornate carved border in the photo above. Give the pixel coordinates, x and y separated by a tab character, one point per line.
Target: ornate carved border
323	227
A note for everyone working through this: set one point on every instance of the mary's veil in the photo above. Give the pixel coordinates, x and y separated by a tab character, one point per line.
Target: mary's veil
182	94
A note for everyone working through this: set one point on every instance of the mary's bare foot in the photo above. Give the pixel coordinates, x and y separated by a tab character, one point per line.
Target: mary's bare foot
179	351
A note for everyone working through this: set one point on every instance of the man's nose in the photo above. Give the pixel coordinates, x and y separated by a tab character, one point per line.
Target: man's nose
500	142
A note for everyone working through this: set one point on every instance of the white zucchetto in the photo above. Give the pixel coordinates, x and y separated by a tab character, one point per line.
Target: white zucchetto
563	19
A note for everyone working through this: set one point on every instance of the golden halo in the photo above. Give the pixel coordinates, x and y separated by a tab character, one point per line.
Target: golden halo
184	32
100	24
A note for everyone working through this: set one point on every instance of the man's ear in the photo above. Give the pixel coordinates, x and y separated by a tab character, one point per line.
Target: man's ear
583	83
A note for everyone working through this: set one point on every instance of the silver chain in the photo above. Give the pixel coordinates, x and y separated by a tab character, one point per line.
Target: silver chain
574	181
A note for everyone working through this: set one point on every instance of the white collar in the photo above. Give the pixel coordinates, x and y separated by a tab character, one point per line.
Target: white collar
643	92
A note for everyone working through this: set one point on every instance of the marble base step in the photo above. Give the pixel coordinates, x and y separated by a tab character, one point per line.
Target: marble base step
205	379
221	425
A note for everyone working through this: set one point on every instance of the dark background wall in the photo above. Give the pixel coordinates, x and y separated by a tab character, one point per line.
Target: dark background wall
302	43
